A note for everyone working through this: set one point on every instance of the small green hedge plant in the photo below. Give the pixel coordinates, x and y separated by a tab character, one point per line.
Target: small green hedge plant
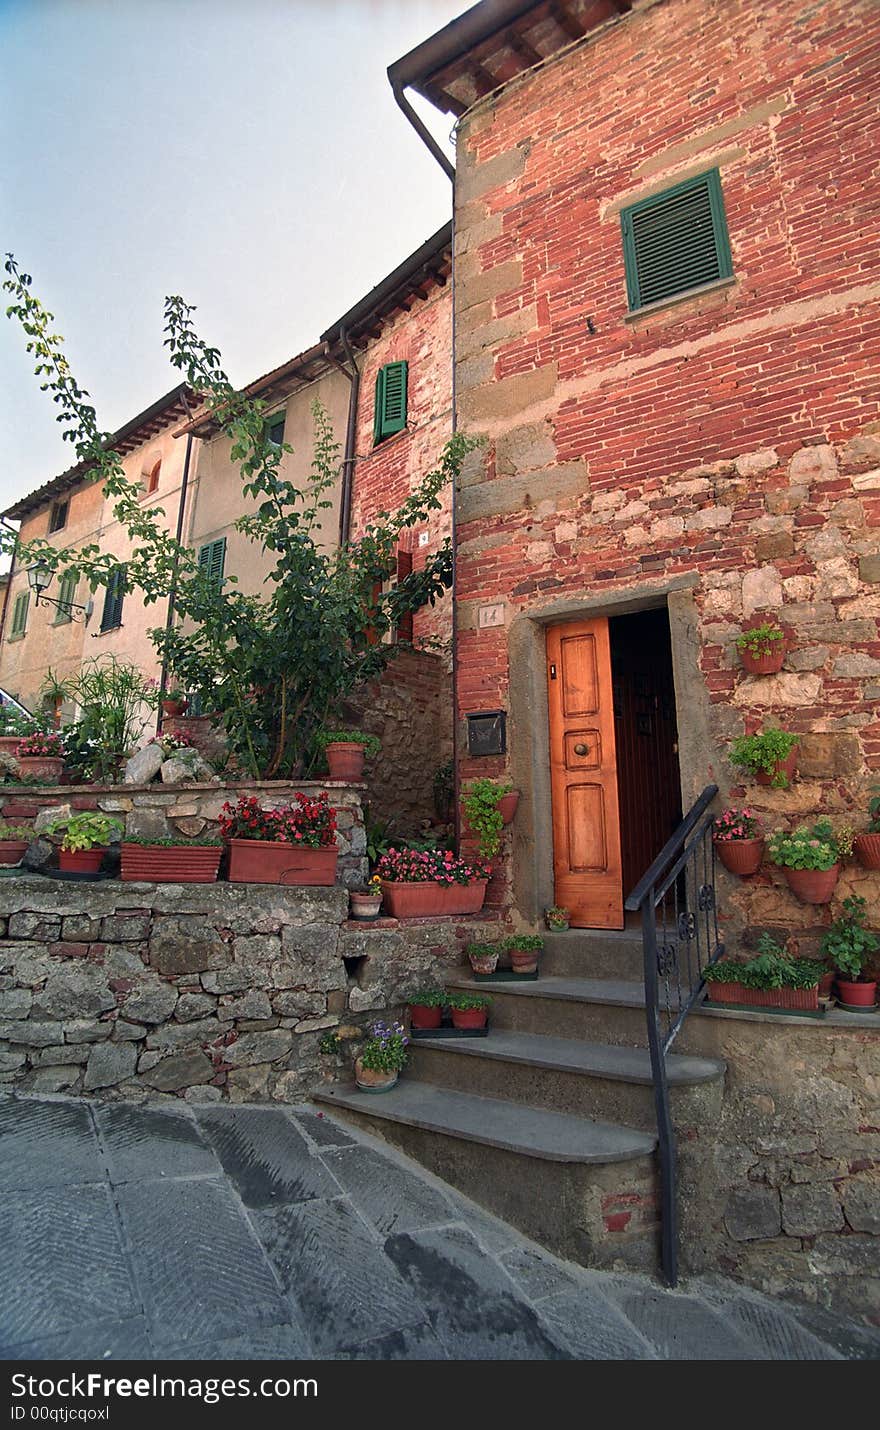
86	831
427	998
808	847
480	800
18	832
467	1001
763	752
524	942
760	640
207	842
848	944
371	743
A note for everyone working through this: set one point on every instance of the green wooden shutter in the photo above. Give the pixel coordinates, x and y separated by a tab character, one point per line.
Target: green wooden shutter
212	559
676	241
389	414
19	613
66	596
113	598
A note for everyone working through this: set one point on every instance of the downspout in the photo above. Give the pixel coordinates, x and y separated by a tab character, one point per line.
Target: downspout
169	620
423	132
353	374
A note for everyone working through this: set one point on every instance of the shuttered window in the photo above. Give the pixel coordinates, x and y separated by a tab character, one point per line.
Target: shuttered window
66	597
275	429
212	559
676	241
58	515
19	614
113	598
389	415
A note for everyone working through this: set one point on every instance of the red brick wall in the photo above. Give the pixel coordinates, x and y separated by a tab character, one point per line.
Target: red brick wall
385	475
736	434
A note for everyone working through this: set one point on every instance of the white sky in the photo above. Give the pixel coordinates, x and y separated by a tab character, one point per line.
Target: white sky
247	154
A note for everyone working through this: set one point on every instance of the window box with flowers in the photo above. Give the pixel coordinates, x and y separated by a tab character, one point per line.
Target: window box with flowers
418	883
295	845
738	842
40	756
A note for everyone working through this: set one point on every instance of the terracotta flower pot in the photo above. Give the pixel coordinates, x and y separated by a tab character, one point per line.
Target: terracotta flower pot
80	861
802	1000
469	1017
826	984
421	1016
12	851
740	856
856	995
507	805
787	767
426	900
45	767
365	906
812	886
867	847
483	963
769	664
345	760
170	864
263	861
9	744
523	960
173	707
369	1080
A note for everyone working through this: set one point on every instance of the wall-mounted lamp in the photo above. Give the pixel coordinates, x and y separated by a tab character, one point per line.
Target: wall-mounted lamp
39	578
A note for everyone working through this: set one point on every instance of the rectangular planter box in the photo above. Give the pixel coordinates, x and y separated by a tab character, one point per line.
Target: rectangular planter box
261	861
794	999
420	901
176	864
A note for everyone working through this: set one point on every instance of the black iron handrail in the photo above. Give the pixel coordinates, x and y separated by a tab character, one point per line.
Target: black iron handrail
676	899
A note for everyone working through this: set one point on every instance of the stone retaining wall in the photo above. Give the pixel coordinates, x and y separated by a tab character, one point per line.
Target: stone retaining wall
205	991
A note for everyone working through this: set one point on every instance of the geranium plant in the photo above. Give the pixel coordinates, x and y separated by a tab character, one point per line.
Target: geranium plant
310	822
848	943
808	847
385	1048
480	800
425	866
761	640
736	824
763	753
40	746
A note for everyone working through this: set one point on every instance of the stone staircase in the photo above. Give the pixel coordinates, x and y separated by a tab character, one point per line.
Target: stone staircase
549	1121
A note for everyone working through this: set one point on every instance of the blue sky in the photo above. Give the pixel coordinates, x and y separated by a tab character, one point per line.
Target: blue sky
247	154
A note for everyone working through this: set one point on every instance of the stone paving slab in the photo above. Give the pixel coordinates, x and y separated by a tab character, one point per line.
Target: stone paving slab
233	1234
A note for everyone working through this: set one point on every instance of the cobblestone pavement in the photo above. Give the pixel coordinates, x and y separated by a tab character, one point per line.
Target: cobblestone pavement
234	1233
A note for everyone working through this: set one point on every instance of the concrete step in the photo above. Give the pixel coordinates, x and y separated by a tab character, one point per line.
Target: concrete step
601	1010
569	1075
584	1188
589	953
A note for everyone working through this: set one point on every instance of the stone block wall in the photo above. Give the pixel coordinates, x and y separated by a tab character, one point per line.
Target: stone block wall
202	991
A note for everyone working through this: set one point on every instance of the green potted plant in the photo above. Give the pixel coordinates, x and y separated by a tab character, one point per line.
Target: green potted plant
556	918
770	980
40	755
468	1010
762	648
346	751
420	883
483	957
367	903
85	836
14	841
736	835
488	805
295	845
174	701
426	1008
382	1058
849	945
867	845
524	950
171	861
809	860
770	756
14	725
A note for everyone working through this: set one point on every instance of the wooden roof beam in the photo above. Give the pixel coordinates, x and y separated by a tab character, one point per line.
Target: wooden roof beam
567	22
520	45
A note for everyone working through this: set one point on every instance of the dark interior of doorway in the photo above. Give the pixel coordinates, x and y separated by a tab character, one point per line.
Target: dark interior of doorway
649	787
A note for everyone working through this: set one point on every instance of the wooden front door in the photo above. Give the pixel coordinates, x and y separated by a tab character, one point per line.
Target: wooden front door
583	772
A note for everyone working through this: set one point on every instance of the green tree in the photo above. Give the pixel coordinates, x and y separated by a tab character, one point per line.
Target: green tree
273	667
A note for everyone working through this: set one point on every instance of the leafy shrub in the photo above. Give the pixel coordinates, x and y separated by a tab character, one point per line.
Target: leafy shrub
763	752
480	801
371	743
848	943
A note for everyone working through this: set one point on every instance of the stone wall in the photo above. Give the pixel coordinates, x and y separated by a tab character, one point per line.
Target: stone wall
782	1189
157	811
204	991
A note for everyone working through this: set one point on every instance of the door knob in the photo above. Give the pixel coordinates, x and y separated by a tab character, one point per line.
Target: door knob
581	749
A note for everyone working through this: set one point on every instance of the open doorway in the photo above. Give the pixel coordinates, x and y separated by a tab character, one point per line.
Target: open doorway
646	737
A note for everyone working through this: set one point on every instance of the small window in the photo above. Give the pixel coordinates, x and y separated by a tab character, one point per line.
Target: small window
19	615
113	598
66	598
153	477
58	515
275	429
676	241
212	559
389	414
